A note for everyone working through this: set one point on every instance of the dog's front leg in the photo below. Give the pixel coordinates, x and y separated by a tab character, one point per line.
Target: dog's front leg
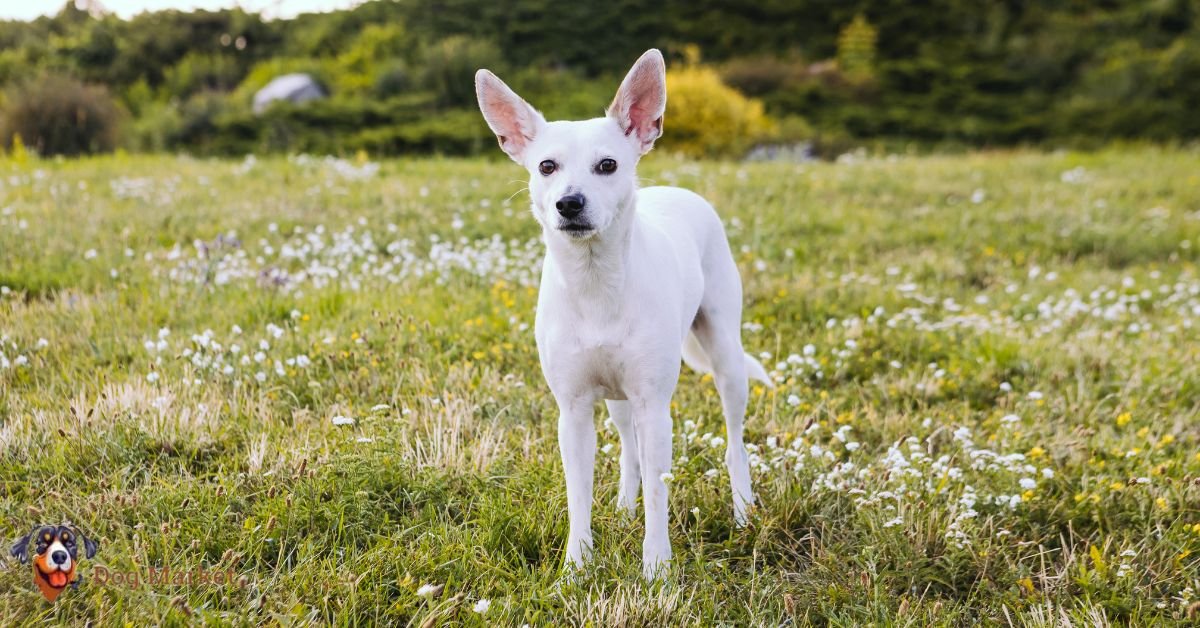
653	426
577	444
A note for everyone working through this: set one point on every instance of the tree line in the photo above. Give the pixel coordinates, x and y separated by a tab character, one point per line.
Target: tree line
941	72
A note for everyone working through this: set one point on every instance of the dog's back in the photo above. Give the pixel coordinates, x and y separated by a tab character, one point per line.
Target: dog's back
677	211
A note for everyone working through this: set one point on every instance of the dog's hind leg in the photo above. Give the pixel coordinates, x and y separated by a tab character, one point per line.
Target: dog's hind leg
722	344
622	415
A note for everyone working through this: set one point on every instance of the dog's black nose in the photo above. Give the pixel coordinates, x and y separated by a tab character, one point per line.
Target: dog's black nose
59	557
570	205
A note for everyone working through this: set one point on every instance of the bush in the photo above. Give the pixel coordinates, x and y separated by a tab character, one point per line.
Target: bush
706	118
346	125
762	75
57	115
157	128
395	79
202	72
449	68
358	67
856	49
563	94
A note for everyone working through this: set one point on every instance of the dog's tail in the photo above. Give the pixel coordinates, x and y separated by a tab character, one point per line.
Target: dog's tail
695	357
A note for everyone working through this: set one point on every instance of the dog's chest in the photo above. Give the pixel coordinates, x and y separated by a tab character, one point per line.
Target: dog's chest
589	354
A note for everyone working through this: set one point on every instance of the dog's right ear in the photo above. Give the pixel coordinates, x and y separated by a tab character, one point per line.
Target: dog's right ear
20	549
513	120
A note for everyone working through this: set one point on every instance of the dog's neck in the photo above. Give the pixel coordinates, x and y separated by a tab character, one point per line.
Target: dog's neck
593	271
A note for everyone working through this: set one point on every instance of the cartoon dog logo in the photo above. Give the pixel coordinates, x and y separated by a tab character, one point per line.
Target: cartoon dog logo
56	558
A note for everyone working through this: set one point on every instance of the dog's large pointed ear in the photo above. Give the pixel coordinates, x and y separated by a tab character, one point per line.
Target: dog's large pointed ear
20	549
513	120
642	100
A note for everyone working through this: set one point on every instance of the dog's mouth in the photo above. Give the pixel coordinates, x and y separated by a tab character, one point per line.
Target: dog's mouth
56	578
576	229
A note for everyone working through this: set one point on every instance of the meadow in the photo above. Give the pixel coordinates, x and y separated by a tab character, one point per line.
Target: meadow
320	374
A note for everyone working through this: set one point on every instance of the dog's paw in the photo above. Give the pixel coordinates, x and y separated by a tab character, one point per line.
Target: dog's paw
656	560
571	575
741	519
742	510
656	572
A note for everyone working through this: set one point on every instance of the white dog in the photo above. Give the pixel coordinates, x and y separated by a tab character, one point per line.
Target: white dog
633	280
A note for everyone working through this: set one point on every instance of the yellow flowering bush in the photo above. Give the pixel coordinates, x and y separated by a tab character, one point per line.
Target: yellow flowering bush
706	118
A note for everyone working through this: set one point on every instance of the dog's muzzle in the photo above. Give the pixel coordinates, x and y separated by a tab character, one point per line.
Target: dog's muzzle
576	228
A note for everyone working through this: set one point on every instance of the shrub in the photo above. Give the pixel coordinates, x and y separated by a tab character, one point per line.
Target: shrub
200	120
856	49
202	72
758	76
706	118
394	79
344	125
57	115
562	94
157	128
358	67
449	68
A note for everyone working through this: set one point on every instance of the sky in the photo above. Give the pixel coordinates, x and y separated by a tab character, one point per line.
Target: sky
30	9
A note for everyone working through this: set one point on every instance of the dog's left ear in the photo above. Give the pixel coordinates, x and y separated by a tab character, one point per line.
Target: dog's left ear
90	547
642	100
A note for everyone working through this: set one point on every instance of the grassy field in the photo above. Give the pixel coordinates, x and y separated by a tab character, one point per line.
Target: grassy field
321	375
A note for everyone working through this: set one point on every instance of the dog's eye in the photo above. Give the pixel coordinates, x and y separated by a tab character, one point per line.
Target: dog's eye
547	167
606	166
66	537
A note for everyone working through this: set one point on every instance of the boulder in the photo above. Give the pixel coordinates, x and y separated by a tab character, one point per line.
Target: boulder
295	88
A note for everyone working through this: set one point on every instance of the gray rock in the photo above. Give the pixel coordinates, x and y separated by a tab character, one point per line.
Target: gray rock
296	88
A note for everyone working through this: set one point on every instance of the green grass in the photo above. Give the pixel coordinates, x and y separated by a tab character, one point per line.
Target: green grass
996	421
